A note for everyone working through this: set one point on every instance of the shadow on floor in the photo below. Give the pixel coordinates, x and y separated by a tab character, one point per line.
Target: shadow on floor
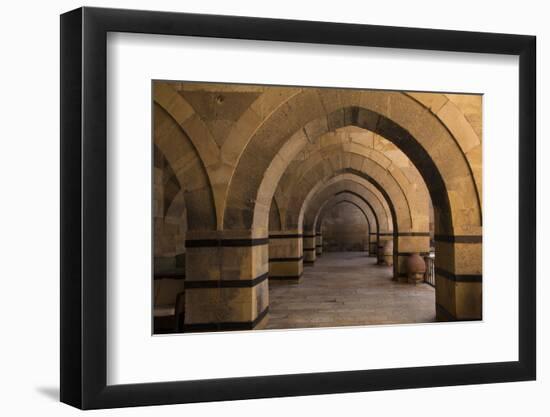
50	392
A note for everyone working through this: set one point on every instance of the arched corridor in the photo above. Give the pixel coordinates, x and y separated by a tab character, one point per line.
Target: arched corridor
269	202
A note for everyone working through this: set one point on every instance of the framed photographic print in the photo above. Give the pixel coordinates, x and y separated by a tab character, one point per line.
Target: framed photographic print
257	208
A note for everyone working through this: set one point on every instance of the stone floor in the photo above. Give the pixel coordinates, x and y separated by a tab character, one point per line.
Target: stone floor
348	289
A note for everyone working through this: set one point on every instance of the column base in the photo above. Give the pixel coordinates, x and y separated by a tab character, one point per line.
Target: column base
258	323
441	314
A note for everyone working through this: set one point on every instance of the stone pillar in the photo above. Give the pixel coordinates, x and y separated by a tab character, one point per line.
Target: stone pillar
366	244
318	244
388	252
309	249
405	245
458	277
373	244
226	286
382	239
286	256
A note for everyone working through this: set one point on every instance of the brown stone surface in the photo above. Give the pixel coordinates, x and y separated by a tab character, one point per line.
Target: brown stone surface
291	269
345	228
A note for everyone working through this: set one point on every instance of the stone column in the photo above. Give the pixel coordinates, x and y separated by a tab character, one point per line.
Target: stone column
309	249
373	244
286	255
318	244
406	244
226	286
458	277
383	237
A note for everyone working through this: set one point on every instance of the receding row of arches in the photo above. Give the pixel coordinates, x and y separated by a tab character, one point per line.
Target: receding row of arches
245	176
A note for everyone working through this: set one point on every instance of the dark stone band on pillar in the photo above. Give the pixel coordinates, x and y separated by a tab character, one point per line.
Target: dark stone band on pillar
458	239
458	277
223	283
310	236
224	326
308	249
170	275
294	236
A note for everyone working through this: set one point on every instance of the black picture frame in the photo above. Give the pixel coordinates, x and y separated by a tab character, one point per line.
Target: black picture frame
84	207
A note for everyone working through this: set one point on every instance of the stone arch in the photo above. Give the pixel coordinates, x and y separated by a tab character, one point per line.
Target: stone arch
294	246
350	187
351	198
399	118
265	105
359	236
355	155
181	111
344	226
306	189
219	161
185	116
284	99
176	147
451	116
274	216
310	192
372	221
356	142
169	216
440	105
176	217
361	207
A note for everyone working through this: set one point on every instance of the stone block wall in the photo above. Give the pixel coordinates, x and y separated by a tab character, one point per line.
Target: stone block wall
345	229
